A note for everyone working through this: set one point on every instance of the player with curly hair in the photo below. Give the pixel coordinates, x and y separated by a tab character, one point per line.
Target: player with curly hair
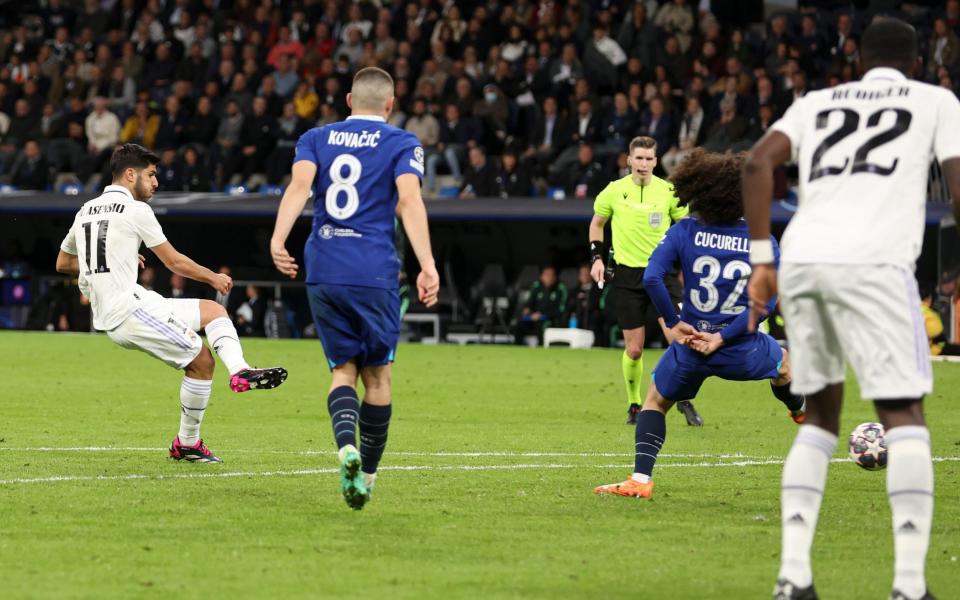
710	333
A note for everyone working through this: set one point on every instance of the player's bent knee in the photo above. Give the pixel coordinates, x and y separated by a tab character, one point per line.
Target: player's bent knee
202	366
210	310
656	401
634	352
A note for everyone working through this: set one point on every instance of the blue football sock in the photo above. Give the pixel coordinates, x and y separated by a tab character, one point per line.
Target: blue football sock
374	422
651	432
344	408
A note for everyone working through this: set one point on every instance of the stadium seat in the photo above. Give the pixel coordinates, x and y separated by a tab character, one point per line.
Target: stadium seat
270	190
448	191
71	189
561	336
556	193
234	190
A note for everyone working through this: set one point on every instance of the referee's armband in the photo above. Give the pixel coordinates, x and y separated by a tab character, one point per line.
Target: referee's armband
761	252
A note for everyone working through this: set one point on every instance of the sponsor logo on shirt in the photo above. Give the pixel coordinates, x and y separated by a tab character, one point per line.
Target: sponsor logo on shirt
655	219
329	232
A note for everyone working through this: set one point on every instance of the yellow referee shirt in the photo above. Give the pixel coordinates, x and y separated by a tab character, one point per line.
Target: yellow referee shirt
640	215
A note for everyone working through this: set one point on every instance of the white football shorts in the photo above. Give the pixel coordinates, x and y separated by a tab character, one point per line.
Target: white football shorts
162	327
867	314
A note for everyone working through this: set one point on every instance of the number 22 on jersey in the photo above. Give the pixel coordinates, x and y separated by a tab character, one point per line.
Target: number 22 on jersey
849	125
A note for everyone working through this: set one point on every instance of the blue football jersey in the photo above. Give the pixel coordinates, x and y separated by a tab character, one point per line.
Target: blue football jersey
352	240
715	261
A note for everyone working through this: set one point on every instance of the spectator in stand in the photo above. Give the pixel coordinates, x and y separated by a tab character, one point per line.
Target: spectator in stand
550	136
427	129
692	132
457	135
637	35
493	113
121	91
481	178
289	127
544	307
23	126
619	126
584	306
249	316
676	19
944	48
275	102
658	124
68	143
201	129
170	172
585	127
196	175
103	132
565	71
728	130
256	139
172	123
193	68
285	45
224	154
352	48
240	92
158	73
141	127
31	171
514	177
585	178
321	46
306	101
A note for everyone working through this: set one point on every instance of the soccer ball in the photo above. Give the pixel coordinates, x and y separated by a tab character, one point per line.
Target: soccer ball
867	447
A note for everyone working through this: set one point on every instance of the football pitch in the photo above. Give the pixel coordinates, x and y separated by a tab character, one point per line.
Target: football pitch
485	490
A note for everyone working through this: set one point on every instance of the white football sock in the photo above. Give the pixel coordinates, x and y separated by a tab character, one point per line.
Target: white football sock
641	477
222	337
194	396
804	477
910	488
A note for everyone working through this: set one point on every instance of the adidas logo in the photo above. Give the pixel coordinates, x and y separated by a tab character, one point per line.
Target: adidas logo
908	527
796	519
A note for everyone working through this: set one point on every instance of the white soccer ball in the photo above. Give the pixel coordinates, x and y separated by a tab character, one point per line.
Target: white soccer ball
867	447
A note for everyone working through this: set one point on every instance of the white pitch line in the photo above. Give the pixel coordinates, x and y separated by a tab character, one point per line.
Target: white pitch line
506	454
517	467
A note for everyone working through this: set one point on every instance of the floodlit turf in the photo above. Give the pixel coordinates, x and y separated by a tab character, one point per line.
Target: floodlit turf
485	492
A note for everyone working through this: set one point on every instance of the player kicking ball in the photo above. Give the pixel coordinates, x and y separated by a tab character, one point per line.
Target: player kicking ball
362	172
711	247
102	247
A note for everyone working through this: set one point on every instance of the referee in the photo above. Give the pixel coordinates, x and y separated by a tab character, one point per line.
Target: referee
642	207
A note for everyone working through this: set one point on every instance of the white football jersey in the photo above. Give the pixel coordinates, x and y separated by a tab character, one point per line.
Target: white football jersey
864	151
106	235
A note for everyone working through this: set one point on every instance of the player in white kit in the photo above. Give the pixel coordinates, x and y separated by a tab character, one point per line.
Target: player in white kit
102	247
847	286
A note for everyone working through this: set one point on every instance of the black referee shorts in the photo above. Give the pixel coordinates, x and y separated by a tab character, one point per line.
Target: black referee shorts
632	303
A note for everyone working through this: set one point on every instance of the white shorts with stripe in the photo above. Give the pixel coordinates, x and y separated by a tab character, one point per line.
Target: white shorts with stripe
867	314
164	328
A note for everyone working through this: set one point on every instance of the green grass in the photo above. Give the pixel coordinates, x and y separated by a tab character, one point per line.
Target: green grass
529	529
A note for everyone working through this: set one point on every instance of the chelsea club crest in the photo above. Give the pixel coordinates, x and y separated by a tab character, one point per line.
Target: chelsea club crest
326	232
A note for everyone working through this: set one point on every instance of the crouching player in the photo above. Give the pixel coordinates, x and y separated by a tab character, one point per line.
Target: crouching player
711	334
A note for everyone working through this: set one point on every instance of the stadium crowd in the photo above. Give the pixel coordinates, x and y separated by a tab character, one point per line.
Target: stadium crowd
508	98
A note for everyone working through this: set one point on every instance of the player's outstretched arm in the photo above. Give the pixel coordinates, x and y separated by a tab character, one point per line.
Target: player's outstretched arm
181	264
291	206
413	213
951	172
597	223
771	151
68	264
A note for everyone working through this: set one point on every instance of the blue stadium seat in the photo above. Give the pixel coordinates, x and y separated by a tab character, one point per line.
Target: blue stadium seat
556	193
70	189
448	191
235	190
271	190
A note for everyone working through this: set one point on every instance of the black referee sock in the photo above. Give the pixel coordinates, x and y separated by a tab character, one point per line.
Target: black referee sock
374	423
791	401
344	411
